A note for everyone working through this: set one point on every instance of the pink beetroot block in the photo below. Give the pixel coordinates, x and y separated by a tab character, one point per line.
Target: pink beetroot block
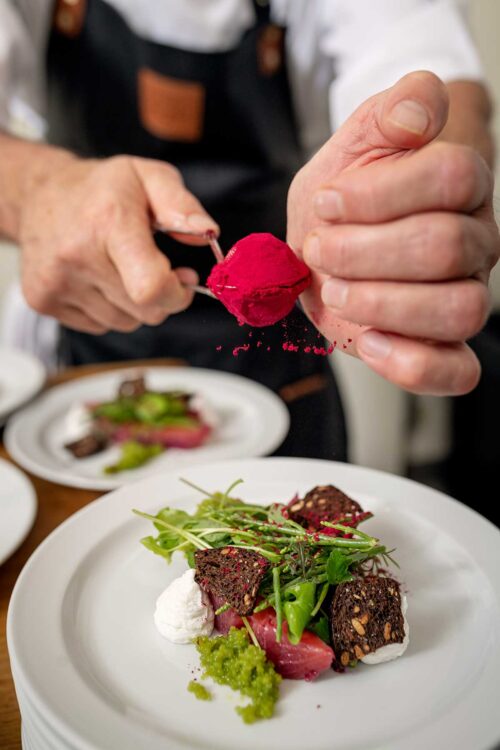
170	437
259	280
304	661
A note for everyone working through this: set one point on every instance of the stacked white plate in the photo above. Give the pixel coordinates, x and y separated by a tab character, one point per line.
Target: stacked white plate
21	377
92	673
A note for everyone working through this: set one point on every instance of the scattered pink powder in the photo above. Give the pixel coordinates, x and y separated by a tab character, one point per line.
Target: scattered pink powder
242	348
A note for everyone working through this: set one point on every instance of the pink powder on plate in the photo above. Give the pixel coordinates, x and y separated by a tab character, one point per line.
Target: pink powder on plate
259	280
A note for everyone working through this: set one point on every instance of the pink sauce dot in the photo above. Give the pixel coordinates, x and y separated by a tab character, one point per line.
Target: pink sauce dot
259	343
307	349
218	348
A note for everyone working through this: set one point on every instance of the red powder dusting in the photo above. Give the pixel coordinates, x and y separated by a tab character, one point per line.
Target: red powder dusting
242	348
259	280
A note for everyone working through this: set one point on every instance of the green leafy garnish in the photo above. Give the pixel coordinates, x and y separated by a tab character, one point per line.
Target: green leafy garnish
134	454
321	628
298	607
303	565
337	568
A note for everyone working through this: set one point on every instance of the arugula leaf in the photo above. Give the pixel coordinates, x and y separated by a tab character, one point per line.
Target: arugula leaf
321	628
337	568
119	411
298	603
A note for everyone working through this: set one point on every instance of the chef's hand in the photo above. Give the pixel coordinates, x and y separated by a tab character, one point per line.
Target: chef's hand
88	255
401	238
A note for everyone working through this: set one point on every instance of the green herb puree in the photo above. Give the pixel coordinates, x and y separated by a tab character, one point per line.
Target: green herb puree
133	455
233	660
199	691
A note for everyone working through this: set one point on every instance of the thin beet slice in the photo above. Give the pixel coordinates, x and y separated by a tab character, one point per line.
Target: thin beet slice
232	573
259	279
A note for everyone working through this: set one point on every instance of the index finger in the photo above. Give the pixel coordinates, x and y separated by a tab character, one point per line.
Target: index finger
439	177
145	272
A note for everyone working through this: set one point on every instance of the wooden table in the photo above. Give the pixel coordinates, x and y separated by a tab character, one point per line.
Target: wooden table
55	504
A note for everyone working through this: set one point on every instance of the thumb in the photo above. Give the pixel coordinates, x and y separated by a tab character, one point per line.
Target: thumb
408	115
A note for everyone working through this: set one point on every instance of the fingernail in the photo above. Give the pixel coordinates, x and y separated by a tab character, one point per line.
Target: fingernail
410	115
312	250
329	204
201	223
334	293
374	344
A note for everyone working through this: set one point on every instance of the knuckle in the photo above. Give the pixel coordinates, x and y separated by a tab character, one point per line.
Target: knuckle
372	304
458	173
42	296
147	293
154	317
341	258
448	247
414	370
469	310
72	254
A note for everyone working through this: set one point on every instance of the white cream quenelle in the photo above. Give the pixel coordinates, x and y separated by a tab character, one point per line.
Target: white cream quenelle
183	611
392	650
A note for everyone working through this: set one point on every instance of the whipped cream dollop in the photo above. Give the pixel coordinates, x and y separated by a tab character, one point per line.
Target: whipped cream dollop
78	422
184	611
392	650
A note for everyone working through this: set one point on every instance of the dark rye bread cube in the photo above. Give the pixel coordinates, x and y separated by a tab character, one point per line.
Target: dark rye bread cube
232	573
365	615
323	503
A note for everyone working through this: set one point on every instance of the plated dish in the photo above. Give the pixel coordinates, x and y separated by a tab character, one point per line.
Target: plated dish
293	589
225	416
142	421
17	508
93	665
21	378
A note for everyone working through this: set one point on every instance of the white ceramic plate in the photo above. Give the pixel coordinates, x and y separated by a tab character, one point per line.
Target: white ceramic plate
21	377
17	508
93	666
254	422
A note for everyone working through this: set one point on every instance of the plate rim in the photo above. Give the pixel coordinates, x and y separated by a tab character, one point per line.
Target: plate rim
106	484
472	518
29	493
38	370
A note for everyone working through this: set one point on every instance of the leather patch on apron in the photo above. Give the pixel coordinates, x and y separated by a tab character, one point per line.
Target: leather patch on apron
305	387
270	50
170	108
69	16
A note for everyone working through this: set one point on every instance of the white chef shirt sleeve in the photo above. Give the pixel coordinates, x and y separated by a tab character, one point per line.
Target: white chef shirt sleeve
373	44
24	27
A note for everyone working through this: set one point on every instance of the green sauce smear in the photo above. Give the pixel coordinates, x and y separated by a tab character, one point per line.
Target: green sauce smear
234	661
199	691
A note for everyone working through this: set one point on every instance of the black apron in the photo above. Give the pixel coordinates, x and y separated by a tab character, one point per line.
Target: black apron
239	165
